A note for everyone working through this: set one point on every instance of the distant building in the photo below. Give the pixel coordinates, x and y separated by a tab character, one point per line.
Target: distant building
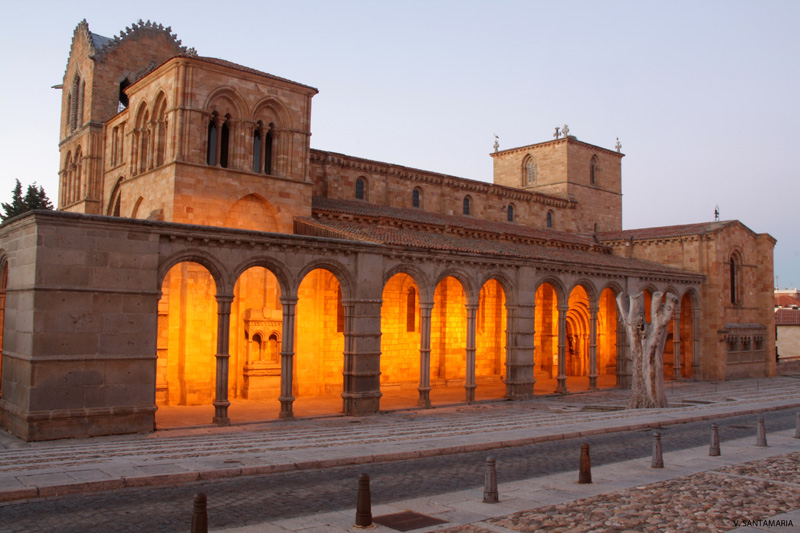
203	252
787	324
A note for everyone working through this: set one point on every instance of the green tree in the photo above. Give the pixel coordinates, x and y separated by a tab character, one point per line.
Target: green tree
35	198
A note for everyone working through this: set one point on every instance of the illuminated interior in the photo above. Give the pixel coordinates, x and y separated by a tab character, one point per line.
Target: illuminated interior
607	339
490	341
448	336
576	351
400	336
545	336
187	337
319	339
686	344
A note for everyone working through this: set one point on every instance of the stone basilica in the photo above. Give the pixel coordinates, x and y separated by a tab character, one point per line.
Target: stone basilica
203	254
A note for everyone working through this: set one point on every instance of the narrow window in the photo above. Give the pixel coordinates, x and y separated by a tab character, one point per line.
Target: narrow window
510	213
415	198
339	312
268	153
549	219
465	209
593	171
123	98
114	145
224	143
733	280
257	150
411	310
529	172
211	152
359	189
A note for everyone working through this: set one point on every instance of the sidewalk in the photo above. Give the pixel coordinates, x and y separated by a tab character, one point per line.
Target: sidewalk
30	470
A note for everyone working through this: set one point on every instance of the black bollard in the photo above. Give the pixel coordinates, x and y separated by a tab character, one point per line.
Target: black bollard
658	459
713	450
364	503
199	514
585	475
490	483
797	427
761	434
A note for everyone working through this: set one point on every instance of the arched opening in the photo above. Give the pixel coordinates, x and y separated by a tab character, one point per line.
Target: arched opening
593	170
490	342
211	141
186	346
256	326
224	142
448	341
734	264
466	207
528	172
400	342
319	359
549	219
687	335
268	149
257	148
416	198
361	189
576	349
545	339
510	213
161	132
608	343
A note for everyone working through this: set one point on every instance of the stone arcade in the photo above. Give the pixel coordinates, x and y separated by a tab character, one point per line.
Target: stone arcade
204	254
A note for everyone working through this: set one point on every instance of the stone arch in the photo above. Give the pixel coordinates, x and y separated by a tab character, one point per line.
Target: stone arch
557	285
225	94
159	120
277	269
420	278
115	198
549	296
610	341
491	337
528	171
136	206
734	271
253	212
339	270
201	257
589	287
506	282
401	330
272	110
467	283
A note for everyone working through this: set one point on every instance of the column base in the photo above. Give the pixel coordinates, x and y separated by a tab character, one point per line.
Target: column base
470	393
561	387
424	400
519	390
593	382
221	413
286	408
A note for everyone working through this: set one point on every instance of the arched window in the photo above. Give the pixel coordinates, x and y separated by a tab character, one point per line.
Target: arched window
257	149
593	170
465	209
511	212
123	98
268	151
528	172
75	103
734	273
161	133
211	145
361	189
549	219
224	142
411	310
416	198
273	347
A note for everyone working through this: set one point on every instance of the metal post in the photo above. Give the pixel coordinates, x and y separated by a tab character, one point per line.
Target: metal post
658	459
364	502
199	514
585	474
761	435
713	450
490	494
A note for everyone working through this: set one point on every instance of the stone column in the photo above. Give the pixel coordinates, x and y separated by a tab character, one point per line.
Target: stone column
696	344
593	347
425	311
676	343
221	402
287	358
561	378
469	381
362	337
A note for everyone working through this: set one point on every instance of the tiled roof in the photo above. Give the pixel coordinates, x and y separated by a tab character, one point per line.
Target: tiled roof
441	241
242	68
99	41
787	317
787	300
663	232
450	223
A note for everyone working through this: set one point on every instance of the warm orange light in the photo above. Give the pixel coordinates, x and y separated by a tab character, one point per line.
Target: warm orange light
400	334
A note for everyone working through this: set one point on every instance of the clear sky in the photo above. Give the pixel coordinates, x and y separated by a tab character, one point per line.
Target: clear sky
703	95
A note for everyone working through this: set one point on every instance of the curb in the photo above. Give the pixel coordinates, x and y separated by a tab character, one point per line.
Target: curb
183	478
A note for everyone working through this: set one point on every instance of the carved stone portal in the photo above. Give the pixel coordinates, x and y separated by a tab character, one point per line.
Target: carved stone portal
647	345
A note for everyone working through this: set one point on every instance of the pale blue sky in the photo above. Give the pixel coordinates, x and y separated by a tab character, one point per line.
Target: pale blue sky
702	94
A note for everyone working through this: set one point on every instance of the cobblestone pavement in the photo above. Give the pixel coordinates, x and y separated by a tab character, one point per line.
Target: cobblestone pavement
719	500
251	500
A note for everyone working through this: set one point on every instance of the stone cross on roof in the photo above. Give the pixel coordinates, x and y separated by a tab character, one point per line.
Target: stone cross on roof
557	134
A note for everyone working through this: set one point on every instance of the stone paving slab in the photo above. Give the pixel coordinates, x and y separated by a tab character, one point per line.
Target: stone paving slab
642	493
180	456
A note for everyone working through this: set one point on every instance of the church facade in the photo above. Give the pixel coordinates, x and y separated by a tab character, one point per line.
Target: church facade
203	253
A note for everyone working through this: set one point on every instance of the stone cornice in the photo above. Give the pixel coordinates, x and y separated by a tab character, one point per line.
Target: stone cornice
570	139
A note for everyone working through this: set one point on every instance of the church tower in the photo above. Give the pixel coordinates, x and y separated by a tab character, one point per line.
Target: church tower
93	90
571	169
